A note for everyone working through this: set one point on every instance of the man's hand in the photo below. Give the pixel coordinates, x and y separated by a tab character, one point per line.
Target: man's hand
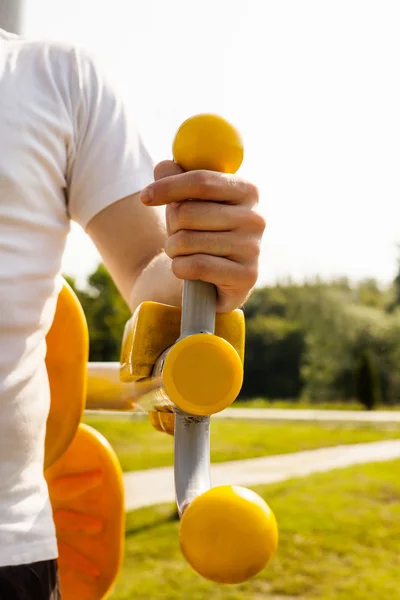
213	227
215	237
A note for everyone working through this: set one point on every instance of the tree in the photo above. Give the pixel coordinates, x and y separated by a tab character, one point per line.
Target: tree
321	340
369	294
274	348
368	388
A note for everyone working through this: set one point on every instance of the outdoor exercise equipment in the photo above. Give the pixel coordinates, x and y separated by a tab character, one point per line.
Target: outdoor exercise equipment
181	365
82	471
227	534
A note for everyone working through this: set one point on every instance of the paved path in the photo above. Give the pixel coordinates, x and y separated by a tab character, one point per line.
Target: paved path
277	414
155	486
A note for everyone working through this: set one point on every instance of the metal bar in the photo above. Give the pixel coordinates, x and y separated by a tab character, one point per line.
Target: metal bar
106	391
192	458
198	307
116	415
192	433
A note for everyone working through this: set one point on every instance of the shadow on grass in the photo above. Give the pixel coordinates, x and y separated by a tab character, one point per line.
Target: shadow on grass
135	529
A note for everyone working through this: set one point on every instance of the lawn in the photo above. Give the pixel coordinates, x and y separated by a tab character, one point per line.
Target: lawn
139	446
299	404
305	404
339	540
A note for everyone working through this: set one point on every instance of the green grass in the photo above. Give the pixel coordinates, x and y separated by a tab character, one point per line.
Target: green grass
305	404
339	540
139	446
296	404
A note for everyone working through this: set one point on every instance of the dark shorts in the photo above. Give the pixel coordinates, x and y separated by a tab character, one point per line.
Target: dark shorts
37	581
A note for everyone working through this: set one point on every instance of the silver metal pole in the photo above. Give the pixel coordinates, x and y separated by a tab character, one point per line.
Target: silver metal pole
192	433
198	307
11	15
192	458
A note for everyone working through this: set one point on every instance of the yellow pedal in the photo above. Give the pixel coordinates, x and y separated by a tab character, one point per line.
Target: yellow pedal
66	362
86	492
155	327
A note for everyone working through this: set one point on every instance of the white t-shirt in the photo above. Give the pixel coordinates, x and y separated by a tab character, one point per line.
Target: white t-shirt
66	152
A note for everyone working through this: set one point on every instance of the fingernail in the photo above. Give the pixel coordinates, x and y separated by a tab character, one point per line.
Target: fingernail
147	195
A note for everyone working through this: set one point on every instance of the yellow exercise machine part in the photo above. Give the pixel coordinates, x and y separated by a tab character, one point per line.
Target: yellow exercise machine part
228	534
86	492
82	471
66	362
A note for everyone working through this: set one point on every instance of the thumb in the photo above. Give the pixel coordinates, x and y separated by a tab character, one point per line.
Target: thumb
166	168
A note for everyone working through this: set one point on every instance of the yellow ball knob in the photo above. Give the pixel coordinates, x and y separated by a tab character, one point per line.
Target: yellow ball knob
209	142
228	534
202	374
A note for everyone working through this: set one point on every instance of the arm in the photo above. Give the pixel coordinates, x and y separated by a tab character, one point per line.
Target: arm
108	165
131	239
215	238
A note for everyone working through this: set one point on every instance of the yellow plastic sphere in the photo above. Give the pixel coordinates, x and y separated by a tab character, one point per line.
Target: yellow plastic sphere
228	534
209	142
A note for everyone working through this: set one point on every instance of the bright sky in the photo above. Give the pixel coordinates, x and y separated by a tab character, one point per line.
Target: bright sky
313	86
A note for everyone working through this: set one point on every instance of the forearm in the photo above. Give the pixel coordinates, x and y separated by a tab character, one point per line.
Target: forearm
156	282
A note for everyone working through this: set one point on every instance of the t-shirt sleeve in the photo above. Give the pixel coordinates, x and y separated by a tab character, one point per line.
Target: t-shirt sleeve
108	160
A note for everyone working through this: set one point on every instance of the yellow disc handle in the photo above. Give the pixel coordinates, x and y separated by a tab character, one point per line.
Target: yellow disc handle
202	374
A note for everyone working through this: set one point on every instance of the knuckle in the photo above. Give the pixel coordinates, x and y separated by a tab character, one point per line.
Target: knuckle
253	248
169	248
171	218
252	220
253	191
200	180
250	193
178	244
198	266
182	241
250	275
189	267
184	215
246	249
259	221
178	268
